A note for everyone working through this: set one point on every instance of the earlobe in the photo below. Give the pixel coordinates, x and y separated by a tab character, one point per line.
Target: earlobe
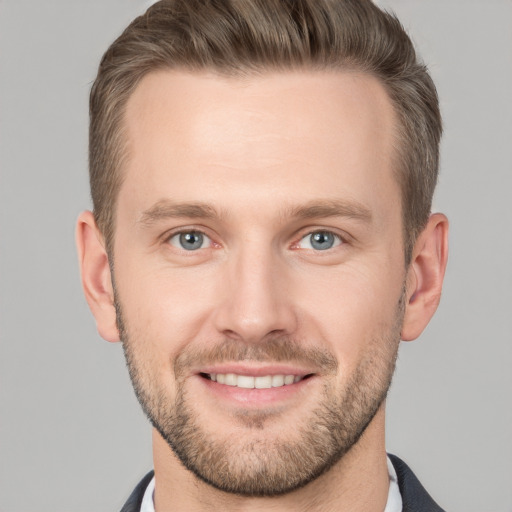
95	275
425	276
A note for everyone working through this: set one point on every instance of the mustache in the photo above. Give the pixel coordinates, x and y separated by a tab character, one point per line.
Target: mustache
274	350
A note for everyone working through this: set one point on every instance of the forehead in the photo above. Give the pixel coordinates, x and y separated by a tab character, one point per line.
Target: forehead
294	134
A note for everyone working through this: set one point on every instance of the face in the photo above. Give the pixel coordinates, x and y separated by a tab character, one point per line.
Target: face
258	268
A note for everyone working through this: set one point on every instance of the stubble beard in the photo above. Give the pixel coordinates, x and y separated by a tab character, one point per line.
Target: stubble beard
256	465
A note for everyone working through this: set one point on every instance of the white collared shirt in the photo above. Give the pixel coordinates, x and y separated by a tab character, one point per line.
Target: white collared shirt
148	505
394	503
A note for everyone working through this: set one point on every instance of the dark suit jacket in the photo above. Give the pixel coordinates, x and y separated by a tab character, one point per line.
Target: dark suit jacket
414	497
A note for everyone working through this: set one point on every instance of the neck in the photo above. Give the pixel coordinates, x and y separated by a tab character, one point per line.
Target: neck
358	482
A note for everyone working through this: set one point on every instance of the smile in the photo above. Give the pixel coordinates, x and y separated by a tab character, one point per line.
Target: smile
254	382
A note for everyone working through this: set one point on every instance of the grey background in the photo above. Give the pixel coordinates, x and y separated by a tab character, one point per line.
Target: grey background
72	437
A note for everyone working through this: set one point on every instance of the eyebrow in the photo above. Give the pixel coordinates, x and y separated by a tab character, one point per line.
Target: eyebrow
166	209
331	208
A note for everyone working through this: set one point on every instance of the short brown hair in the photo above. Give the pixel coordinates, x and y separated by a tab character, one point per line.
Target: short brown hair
237	37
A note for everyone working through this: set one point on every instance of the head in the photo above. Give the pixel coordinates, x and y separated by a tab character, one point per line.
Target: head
262	174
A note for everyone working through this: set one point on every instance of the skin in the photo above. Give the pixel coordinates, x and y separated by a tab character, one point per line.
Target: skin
259	152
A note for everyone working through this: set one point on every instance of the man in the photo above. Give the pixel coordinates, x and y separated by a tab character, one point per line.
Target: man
262	176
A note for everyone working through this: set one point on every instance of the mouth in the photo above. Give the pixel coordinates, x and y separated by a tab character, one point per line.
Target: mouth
254	386
255	381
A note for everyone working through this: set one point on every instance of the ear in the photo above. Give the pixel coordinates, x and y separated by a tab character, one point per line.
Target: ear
425	276
95	274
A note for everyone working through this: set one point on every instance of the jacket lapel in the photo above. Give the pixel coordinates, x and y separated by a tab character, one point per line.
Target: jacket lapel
135	500
414	497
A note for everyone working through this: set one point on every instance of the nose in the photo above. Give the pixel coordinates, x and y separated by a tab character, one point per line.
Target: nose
256	299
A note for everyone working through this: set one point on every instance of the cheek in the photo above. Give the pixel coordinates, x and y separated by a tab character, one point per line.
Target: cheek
165	307
352	308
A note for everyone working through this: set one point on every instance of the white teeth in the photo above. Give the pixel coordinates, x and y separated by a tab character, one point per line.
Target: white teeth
244	381
250	382
263	382
289	379
277	381
230	379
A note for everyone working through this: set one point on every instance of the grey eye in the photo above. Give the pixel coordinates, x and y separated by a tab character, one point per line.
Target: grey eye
189	240
320	241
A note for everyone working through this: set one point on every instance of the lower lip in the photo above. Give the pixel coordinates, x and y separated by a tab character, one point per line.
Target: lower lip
256	397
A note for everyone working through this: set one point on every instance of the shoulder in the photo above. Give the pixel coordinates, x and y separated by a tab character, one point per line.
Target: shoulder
134	501
414	496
